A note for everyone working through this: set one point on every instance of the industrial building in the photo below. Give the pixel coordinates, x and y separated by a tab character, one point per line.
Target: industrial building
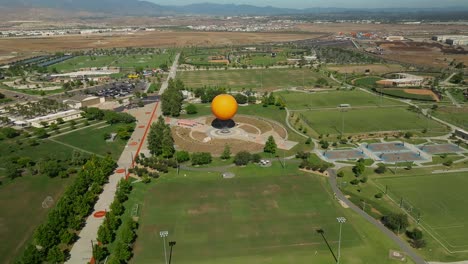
395	38
459	40
52	118
403	80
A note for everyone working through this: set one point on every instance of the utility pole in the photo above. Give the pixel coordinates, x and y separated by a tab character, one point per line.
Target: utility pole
171	244
341	220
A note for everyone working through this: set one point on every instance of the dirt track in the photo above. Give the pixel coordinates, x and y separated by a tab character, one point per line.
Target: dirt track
422	92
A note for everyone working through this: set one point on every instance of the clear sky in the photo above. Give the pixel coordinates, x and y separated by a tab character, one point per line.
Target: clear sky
328	3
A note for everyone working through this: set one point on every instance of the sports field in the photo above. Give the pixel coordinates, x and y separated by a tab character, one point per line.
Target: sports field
332	99
268	79
127	61
369	120
441	199
260	216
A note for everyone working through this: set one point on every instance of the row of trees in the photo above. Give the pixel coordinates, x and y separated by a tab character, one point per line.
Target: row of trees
69	214
172	98
160	141
110	117
108	230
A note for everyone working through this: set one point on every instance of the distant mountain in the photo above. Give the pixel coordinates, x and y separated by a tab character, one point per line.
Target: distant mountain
137	8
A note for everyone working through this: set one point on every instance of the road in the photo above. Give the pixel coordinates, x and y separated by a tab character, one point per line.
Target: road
81	251
402	244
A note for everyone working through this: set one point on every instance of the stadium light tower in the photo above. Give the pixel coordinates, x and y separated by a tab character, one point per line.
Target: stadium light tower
164	234
341	220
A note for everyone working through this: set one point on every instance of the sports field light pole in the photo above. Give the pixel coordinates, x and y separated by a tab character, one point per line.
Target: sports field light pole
341	220
164	234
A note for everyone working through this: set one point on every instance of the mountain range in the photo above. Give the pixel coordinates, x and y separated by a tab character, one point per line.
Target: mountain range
138	8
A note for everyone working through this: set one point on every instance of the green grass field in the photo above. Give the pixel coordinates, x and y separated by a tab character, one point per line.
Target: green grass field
260	216
441	200
456	116
369	120
20	199
264	59
299	100
368	82
252	79
92	139
129	61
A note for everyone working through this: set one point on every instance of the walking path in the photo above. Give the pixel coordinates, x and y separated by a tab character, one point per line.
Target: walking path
452	99
82	251
402	244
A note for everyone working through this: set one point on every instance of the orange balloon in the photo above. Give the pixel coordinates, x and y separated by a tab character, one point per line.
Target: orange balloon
224	106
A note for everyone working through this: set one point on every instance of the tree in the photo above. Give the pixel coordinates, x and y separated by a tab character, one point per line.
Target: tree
340	174
396	222
308	141
242	158
359	168
415	234
448	163
381	169
240	98
256	158
191	109
105	235
55	255
168	149
182	156
270	146
226	153
10	132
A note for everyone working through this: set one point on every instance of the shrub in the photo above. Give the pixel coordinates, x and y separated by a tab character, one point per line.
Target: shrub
201	158
242	158
378	195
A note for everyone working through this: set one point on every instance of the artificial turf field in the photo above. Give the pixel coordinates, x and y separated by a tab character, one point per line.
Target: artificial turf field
370	120
260	216
127	61
252	79
301	100
441	199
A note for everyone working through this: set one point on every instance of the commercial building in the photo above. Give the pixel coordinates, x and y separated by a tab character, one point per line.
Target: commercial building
84	101
395	38
452	39
52	118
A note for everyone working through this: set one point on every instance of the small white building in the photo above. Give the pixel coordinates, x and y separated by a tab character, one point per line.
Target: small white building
52	118
78	102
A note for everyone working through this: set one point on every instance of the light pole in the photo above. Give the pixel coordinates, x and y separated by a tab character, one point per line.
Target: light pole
171	244
341	220
164	234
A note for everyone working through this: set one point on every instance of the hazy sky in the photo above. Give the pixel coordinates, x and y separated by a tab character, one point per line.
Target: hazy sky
328	3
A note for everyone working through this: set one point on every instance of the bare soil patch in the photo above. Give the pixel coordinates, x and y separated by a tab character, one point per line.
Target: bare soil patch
422	92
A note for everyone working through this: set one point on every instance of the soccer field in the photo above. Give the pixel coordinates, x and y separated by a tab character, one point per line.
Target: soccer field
267	79
300	100
441	200
260	216
370	120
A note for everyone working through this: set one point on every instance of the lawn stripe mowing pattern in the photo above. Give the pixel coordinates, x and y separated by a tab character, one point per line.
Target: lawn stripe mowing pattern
441	200
301	100
246	79
369	120
260	216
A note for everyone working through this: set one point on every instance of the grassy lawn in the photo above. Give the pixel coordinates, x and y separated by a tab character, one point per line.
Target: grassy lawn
264	59
92	139
252	79
260	216
443	215
369	120
458	95
368	82
128	61
299	100
20	199
453	115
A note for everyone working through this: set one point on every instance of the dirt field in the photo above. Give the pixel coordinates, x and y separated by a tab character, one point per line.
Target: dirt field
429	54
215	146
374	68
423	92
150	39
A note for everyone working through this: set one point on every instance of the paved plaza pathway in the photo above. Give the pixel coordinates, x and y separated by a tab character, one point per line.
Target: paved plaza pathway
82	251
